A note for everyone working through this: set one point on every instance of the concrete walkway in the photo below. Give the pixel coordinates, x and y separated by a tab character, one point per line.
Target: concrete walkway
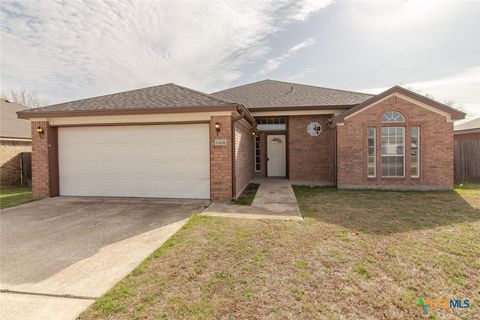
275	199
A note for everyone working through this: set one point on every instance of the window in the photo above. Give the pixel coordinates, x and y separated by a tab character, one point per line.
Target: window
314	129
393	151
415	151
271	124
257	154
393	116
371	152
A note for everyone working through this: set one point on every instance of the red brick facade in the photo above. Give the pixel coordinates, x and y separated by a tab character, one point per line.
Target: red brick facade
244	155
436	148
40	169
221	159
311	158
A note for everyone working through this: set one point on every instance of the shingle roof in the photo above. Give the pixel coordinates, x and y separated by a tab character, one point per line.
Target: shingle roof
163	96
272	93
469	125
10	125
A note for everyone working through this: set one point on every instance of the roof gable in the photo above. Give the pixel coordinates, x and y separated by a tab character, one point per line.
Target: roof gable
165	96
450	113
469	125
274	94
12	127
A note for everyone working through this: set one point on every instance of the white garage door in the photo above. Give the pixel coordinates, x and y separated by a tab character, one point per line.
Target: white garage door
167	161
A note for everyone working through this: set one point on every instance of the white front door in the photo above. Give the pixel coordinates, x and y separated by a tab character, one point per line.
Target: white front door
276	160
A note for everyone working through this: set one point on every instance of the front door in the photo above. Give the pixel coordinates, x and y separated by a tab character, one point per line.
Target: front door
276	160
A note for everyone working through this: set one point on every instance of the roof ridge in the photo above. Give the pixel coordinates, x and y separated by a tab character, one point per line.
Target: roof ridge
100	96
313	86
130	91
202	93
242	85
295	83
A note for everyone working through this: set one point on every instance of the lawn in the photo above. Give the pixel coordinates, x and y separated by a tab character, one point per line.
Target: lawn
247	196
14	196
357	255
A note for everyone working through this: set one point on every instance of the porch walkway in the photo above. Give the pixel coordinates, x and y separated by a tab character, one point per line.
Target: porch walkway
275	199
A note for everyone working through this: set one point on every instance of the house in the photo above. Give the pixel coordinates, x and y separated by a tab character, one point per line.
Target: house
469	130
174	142
15	139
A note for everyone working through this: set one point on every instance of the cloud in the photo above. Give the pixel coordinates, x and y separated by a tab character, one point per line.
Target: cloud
462	89
274	63
68	50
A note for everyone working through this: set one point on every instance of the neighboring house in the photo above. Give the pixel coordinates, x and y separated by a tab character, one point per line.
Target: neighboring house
469	130
15	139
174	142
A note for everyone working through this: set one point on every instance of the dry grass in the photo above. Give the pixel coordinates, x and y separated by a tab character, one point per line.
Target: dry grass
358	255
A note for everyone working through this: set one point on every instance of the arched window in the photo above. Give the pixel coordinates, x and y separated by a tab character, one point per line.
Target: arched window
393	116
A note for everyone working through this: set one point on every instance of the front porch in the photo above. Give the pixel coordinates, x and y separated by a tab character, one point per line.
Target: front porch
300	148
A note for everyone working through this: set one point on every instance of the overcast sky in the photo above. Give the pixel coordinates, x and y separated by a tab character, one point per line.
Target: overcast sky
66	50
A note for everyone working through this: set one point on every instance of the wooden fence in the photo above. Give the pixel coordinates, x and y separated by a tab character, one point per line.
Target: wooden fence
467	160
26	172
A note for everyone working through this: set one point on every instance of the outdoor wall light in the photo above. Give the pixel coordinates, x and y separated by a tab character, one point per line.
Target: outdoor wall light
254	133
218	126
40	131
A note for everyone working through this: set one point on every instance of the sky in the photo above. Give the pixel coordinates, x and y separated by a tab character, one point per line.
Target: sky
67	50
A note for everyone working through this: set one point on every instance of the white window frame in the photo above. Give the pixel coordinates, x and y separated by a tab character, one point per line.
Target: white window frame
404	156
374	152
418	152
393	121
259	152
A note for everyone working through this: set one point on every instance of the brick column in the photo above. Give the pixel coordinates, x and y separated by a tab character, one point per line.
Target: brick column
221	159
44	157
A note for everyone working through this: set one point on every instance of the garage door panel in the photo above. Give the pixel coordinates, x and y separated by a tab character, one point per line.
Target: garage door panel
145	161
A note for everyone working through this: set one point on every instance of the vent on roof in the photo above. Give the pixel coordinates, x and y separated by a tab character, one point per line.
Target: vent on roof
291	90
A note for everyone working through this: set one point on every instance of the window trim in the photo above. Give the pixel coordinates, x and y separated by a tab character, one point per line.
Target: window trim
374	152
393	111
264	121
404	153
259	153
418	152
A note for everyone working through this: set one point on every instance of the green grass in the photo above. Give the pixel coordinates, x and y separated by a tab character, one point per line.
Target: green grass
246	198
358	255
14	196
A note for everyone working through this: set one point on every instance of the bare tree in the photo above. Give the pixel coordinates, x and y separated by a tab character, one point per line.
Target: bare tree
23	96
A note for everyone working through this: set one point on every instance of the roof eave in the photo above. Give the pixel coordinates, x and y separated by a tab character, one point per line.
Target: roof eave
85	113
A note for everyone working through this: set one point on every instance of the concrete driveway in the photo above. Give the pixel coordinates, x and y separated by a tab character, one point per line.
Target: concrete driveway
78	246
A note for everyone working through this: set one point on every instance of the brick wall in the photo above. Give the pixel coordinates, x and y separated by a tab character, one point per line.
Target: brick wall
467	136
244	155
310	158
436	148
221	159
10	161
44	158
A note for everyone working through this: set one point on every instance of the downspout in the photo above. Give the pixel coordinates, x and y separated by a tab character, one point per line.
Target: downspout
334	127
234	123
335	156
